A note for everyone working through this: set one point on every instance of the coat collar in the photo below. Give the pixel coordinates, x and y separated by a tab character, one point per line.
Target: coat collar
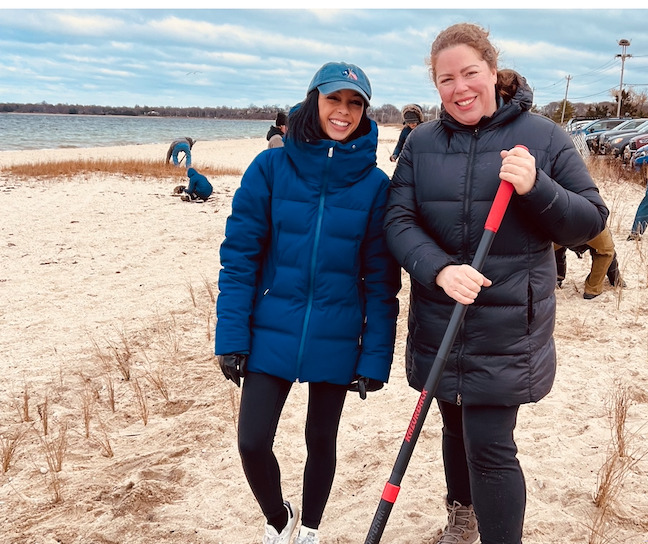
348	162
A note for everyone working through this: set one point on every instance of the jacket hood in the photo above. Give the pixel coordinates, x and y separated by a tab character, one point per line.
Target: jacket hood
353	159
273	132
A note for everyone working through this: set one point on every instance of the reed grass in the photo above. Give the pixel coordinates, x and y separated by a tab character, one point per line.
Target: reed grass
140	397
209	289
158	381
123	355
55	449
43	413
8	447
25	403
608	168
87	403
620	461
103	440
126	167
110	388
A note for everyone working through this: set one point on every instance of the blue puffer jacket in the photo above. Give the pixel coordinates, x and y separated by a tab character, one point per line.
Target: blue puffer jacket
308	287
442	190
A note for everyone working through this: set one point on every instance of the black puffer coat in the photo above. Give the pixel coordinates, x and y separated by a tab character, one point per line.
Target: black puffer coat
441	192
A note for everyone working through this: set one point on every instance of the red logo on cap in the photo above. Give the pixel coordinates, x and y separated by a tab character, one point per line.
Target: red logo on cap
350	74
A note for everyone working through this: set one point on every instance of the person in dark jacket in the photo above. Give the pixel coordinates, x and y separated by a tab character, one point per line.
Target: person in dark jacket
412	117
180	145
276	133
307	289
504	353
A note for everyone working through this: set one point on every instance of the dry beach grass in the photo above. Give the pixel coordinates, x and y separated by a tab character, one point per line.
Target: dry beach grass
116	425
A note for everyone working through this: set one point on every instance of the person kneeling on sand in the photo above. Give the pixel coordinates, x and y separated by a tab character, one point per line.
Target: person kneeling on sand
198	188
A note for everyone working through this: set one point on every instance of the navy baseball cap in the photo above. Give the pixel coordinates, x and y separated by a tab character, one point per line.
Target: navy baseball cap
335	76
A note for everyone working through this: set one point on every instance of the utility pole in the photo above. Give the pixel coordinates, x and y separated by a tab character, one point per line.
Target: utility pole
562	119
623	44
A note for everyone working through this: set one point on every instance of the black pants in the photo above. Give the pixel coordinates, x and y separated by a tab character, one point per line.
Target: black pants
482	469
262	400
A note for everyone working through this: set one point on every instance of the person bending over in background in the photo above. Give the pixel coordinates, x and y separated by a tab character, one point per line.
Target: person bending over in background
180	145
604	263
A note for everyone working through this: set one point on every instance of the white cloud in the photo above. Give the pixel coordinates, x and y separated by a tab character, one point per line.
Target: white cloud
86	25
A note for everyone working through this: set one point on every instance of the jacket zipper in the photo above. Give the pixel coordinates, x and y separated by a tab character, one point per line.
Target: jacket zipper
466	250
313	262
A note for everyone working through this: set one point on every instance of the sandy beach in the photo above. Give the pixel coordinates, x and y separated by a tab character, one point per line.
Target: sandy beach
117	427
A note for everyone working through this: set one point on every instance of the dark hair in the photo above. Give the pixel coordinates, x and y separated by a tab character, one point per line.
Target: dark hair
463	34
281	119
304	123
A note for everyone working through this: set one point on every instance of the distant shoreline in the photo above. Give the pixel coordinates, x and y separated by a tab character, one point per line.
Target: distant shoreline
62	114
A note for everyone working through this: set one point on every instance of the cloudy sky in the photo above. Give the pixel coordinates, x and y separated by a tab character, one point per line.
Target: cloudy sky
239	57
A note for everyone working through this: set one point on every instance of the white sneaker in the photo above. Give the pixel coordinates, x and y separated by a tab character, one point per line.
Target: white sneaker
271	535
309	538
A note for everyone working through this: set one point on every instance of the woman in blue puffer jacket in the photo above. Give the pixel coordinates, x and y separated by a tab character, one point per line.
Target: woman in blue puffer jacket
307	288
504	355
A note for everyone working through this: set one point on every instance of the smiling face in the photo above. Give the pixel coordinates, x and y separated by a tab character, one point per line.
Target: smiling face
340	113
466	84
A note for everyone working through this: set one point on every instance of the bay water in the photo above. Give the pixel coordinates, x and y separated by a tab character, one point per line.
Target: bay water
20	131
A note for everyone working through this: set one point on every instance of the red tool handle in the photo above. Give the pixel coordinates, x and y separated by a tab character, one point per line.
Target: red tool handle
500	203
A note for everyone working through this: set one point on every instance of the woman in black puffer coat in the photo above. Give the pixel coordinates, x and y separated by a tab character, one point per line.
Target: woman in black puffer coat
504	355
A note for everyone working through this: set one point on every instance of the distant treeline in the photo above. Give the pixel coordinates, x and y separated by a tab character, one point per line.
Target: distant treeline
222	112
633	105
386	114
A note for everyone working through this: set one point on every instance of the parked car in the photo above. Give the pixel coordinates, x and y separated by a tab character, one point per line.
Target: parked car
615	141
596	125
640	161
633	146
593	140
574	124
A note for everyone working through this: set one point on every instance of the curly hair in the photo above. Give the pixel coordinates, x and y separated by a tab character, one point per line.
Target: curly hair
463	34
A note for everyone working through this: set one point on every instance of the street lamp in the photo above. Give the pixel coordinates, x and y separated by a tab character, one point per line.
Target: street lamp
623	44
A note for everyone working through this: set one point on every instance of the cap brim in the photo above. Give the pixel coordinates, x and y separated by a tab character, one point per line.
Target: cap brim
328	88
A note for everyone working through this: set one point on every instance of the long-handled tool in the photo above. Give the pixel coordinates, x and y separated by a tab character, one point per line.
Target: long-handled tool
392	487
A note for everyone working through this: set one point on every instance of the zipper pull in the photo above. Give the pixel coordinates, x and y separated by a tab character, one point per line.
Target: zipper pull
458	399
330	153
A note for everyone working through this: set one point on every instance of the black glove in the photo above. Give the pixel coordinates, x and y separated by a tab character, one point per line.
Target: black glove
178	189
233	366
362	385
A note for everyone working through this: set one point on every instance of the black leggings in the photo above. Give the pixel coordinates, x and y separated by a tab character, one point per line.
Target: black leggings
482	469
262	400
